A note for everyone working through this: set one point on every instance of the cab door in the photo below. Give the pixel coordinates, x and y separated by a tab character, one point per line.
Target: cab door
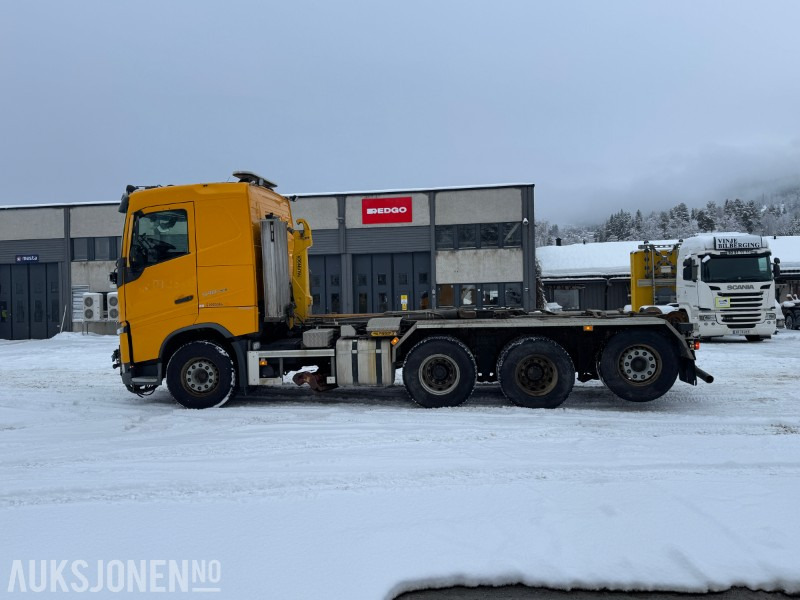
158	291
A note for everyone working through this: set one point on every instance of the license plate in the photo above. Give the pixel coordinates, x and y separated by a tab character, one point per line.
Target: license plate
741	331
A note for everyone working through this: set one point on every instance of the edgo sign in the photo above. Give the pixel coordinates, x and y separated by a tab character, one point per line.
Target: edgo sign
386	210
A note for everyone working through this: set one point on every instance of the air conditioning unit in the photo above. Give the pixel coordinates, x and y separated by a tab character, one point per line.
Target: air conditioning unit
93	306
112	302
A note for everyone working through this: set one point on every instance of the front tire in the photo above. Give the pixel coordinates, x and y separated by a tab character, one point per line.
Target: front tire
535	372
439	372
201	375
638	366
789	322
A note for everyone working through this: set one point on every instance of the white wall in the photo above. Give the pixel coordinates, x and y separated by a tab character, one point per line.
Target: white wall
94	274
31	223
479	266
95	221
320	212
478	206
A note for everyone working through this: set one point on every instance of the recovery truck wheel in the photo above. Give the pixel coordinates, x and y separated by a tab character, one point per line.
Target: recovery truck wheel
201	375
638	365
789	322
439	372
535	372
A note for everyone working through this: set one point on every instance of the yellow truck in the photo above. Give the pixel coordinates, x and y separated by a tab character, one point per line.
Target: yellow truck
213	287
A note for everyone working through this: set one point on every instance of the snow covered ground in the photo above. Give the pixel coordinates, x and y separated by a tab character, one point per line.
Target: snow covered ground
359	494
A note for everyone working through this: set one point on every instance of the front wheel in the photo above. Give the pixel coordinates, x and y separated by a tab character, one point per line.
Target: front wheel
201	375
638	365
439	372
535	372
789	322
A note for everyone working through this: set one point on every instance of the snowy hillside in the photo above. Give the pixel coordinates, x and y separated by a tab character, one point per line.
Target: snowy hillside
360	494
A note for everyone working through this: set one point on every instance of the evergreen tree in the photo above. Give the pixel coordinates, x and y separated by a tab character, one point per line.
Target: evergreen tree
750	216
705	222
638	225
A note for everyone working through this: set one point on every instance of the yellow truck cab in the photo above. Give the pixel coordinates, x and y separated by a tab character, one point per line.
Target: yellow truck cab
190	273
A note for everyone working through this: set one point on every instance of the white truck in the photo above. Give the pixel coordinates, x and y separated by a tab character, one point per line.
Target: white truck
722	283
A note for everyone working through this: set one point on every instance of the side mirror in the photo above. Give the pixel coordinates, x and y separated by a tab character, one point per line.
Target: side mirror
776	267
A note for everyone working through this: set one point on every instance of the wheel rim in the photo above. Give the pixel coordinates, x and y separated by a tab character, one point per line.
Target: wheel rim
639	364
200	376
439	374
536	375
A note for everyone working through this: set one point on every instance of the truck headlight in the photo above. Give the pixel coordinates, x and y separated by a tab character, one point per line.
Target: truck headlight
770	315
708	318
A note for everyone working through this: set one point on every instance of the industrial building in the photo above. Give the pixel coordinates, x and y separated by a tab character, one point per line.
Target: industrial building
373	251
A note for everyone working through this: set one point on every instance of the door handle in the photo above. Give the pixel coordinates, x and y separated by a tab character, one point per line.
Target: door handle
184	299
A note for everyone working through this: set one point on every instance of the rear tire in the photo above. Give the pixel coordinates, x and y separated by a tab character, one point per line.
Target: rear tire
201	375
789	322
638	366
535	372
439	372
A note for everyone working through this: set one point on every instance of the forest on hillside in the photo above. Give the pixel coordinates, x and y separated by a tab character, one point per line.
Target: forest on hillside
777	213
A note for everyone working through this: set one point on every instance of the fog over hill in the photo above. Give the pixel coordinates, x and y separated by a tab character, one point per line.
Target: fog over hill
763	174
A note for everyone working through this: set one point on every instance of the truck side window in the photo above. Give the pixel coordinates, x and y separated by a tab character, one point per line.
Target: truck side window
158	237
687	270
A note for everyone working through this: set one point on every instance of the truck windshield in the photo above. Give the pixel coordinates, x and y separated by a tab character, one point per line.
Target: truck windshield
723	269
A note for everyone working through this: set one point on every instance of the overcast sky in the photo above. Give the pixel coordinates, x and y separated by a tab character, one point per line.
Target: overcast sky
604	105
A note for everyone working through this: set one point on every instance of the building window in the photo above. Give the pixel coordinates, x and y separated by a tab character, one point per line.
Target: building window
490	294
445	237
513	295
467	236
82	250
569	299
484	235
481	295
445	294
512	235
96	248
468	295
103	248
490	235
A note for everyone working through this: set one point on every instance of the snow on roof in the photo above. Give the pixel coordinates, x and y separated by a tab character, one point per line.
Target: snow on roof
59	204
485	186
455	188
613	258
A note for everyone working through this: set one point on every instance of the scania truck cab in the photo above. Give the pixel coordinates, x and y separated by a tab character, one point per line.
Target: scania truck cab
723	283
